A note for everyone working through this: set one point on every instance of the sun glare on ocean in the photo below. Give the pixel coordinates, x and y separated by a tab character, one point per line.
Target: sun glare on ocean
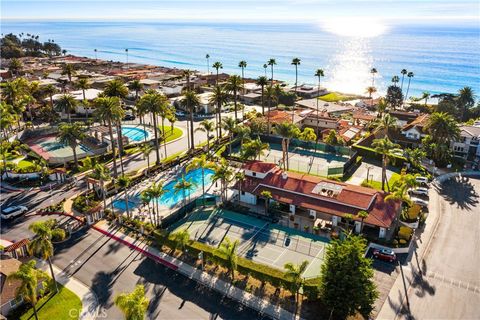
354	27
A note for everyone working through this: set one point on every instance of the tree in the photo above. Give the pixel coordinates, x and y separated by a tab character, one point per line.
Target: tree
331	138
102	174
410	76
293	273
217	65
465	101
206	126
15	67
415	156
425	96
272	98
308	135
116	88
253	149
394	97
181	238
346	272
442	127
224	173
133	305
362	214
69	71
41	245
202	163
348	218
183	186
68	134
296	63
136	86
207	56
371	90
287	131
154	191
243	64
262	82
239	177
228	251
67	104
385	147
243	133
50	90
109	110
234	84
219	97
403	72
229	124
124	182
146	149
395	80
271	62
373	71
386	122
83	84
29	277
266	195
190	101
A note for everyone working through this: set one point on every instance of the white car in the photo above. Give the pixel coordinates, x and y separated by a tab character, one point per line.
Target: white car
419	191
12	212
420	202
422	180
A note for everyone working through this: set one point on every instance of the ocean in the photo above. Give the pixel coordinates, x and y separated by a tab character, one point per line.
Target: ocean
442	58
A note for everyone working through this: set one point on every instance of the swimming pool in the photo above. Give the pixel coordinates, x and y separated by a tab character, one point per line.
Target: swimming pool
121	204
135	134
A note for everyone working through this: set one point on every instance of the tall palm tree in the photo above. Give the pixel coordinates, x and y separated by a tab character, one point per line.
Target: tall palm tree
362	214
29	277
287	131
133	305
183	185
373	71
136	86
403	72
395	80
190	101
69	71
386	122
83	84
442	127
124	182
425	96
201	162
319	74
206	126
228	251
229	125
67	104
385	147
207	56
294	274
116	88
41	245
146	149
262	82
219	97
239	177
266	195
410	75
296	63
50	90
154	103
242	133
101	173
271	62
465	100
243	64
371	90
217	65
234	84
154	192
68	134
272	98
224	173
109	109
253	149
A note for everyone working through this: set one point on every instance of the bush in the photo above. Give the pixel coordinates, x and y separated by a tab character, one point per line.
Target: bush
58	235
359	160
366	184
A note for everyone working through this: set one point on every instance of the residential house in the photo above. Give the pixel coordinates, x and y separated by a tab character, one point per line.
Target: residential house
332	109
308	92
307	201
90	95
8	287
411	134
468	146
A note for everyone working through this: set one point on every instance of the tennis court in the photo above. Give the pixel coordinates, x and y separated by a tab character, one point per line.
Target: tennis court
260	241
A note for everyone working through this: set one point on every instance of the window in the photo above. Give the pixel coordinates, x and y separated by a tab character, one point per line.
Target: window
254	174
243	193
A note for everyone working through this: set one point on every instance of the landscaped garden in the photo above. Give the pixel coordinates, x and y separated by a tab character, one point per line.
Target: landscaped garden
170	134
338	97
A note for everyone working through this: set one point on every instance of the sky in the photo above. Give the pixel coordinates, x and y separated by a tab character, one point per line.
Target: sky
290	11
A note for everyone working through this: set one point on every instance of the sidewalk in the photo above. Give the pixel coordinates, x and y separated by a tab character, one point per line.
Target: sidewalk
90	306
247	299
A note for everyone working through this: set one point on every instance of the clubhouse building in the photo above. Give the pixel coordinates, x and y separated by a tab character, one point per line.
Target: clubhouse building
314	204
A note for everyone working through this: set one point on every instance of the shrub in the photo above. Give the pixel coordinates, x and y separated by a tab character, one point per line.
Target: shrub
366	184
58	235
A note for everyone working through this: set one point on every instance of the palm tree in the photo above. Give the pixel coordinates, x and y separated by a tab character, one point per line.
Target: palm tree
386	122
190	101
296	63
362	214
229	124
224	173
465	100
146	149
403	72
294	274
228	251
266	195
395	80
425	96
217	65
29	277
243	133
67	104
109	109
207	56
116	88
203	163
154	191
206	126
68	134
410	76
272	98
234	84
442	127
124	182
243	64
271	62
183	186
136	86
50	90
319	74
239	177
253	149
69	71
373	71
133	305
154	103
384	147
219	97
370	91
102	174
287	131
83	84
181	239
262	82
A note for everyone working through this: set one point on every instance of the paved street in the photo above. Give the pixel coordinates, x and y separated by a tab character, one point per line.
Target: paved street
449	285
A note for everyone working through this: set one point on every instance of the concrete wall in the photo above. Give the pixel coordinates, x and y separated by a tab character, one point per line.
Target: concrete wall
248	198
256	175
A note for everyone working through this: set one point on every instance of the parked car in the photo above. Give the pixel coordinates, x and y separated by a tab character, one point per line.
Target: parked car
422	180
129	116
13	211
419	191
420	202
180	114
385	255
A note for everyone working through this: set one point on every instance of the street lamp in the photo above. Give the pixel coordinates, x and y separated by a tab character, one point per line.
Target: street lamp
368	170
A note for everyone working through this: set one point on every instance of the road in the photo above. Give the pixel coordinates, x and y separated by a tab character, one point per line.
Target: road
448	286
109	268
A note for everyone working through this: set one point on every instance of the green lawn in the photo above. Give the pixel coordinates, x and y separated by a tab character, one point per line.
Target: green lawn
171	135
57	306
336	97
378	185
24	164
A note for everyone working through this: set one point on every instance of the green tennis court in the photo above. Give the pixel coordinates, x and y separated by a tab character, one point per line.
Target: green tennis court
260	241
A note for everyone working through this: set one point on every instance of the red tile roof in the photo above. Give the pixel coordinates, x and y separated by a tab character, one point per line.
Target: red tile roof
259	166
17	245
298	189
277	116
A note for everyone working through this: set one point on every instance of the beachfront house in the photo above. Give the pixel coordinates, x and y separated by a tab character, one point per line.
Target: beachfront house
315	204
332	109
308	92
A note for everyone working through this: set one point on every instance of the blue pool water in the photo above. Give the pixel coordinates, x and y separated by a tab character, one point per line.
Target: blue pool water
121	204
134	133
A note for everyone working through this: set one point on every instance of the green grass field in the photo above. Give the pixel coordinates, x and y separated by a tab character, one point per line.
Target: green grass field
57	306
24	164
378	185
336	97
171	135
